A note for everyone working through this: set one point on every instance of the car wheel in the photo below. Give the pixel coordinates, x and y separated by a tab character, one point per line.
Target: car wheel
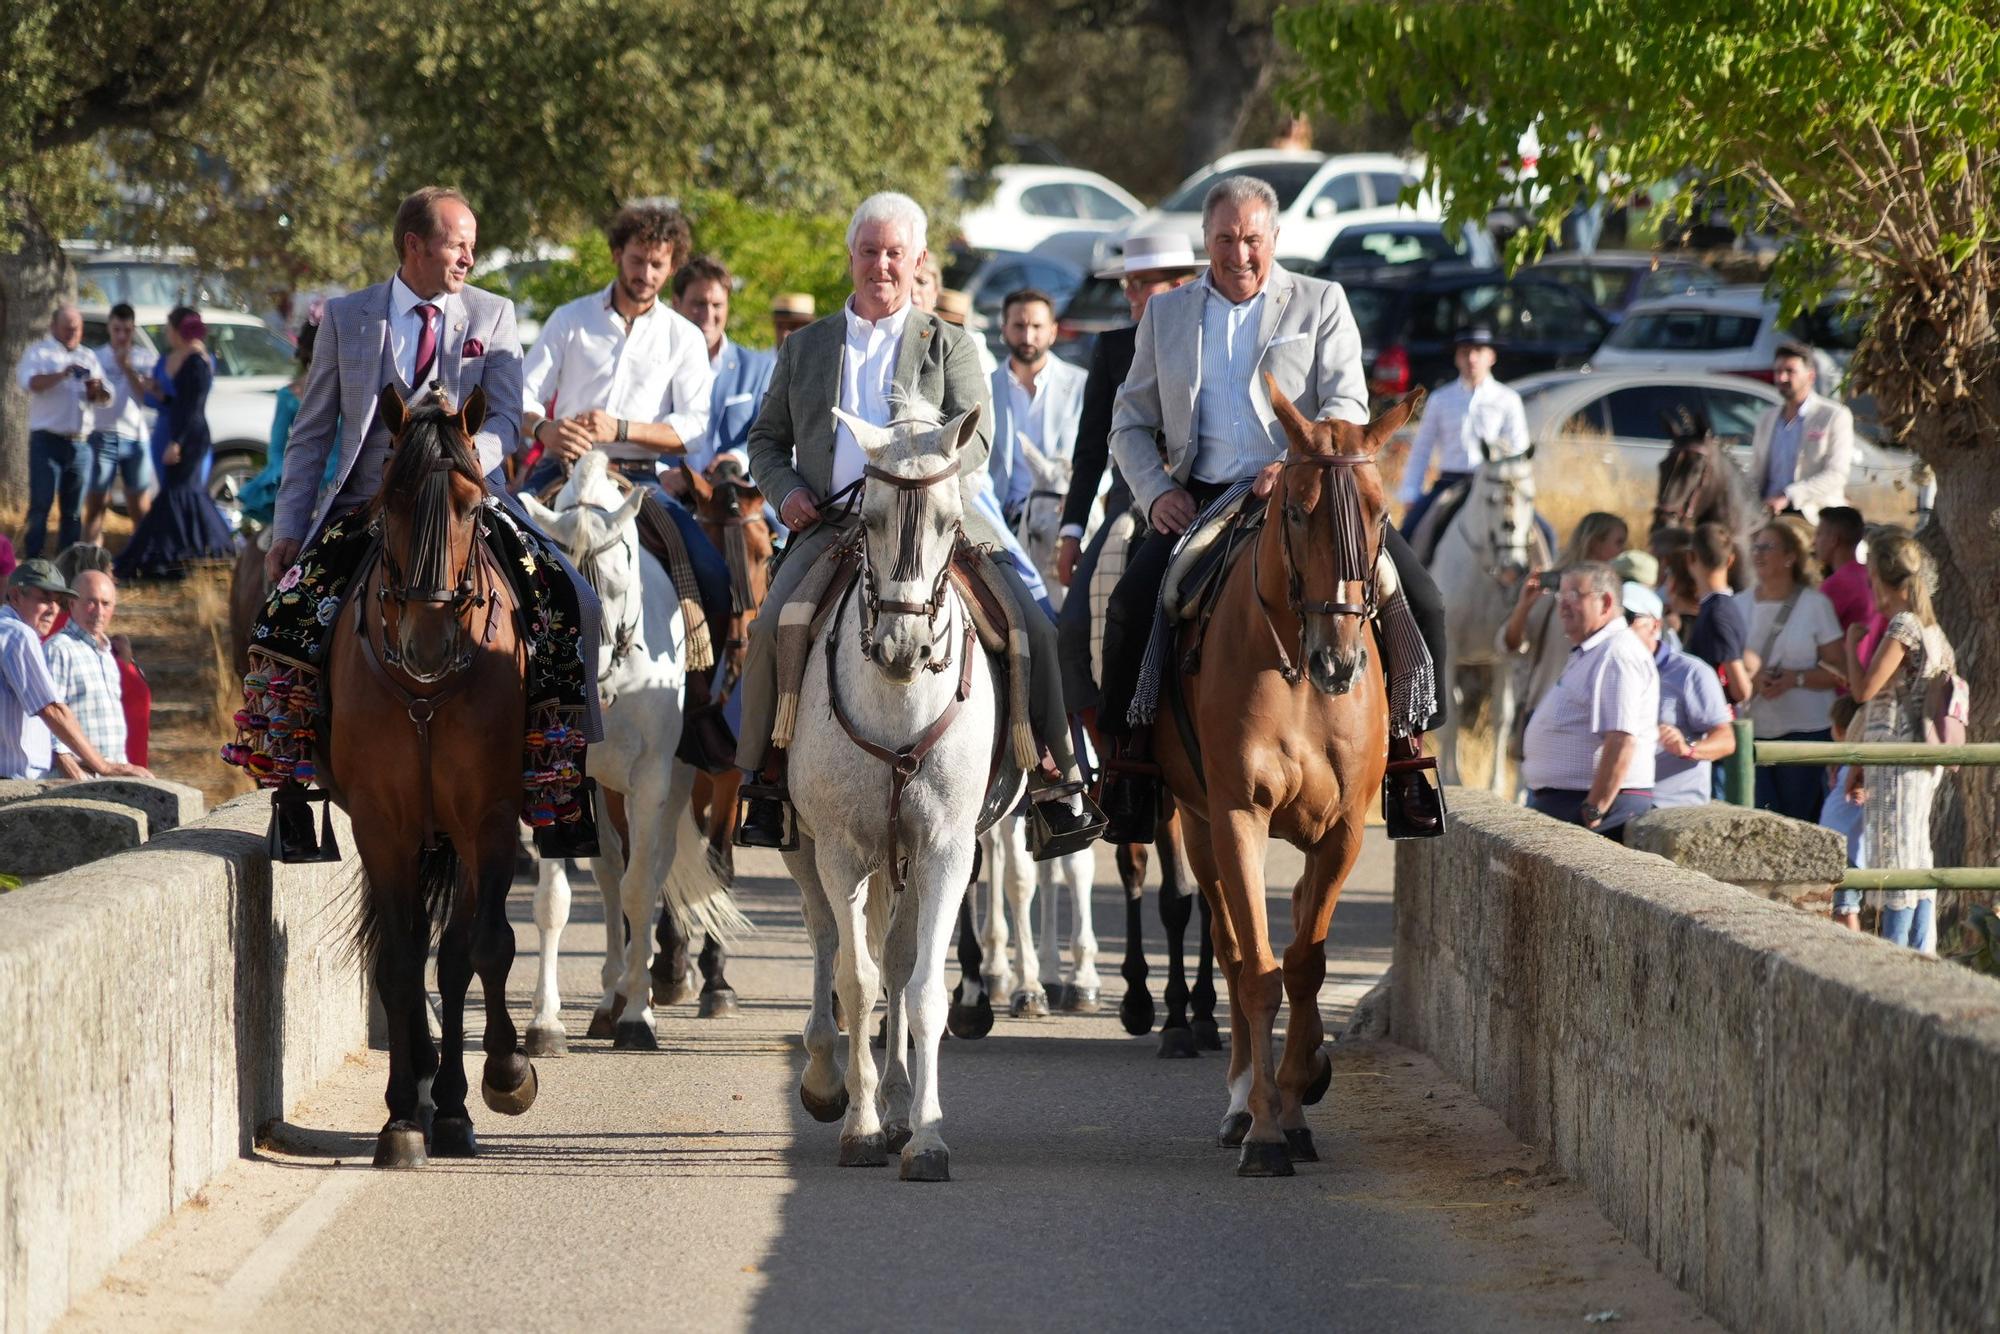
226	481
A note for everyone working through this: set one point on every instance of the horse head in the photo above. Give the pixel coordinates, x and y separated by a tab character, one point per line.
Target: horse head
597	526
730	509
1501	506
431	489
1691	478
1041	519
910	510
1329	510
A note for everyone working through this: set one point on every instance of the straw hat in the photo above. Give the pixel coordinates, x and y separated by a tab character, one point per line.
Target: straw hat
798	304
954	305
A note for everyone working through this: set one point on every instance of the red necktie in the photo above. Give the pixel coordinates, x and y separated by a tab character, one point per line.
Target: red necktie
427	345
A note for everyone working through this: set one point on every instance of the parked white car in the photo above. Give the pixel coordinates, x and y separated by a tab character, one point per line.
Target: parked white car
1029	204
1318	196
1600	437
251	365
1734	330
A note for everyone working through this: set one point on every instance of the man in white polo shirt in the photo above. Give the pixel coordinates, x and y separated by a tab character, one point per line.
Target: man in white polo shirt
1588	754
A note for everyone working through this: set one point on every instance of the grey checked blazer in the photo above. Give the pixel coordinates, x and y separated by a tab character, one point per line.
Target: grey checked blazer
347	375
1307	340
791	445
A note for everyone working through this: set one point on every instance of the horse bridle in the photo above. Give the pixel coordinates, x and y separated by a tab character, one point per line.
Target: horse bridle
1684	516
873	604
463	596
627	634
1491	558
1347	554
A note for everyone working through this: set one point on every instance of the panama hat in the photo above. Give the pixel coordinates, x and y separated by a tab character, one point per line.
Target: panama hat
800	304
1155	253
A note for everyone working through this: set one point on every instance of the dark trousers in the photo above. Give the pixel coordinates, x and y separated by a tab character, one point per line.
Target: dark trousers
1128	620
1797	790
1421	506
58	465
1566	804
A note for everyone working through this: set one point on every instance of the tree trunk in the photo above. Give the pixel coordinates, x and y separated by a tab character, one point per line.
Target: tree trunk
1229	62
33	278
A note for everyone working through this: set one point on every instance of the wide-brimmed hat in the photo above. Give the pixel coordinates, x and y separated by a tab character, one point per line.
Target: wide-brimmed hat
1155	253
41	574
800	304
953	304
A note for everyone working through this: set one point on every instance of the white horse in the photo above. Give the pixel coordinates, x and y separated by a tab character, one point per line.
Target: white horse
885	850
640	675
1478	563
1011	876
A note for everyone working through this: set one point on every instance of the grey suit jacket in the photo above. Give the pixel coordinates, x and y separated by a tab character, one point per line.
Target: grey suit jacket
1307	341
338	406
791	446
1013	480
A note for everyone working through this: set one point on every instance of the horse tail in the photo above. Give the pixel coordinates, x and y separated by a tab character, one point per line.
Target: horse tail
879	907
439	876
698	899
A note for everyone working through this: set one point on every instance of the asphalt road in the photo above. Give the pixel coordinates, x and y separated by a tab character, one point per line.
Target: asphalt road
686	1188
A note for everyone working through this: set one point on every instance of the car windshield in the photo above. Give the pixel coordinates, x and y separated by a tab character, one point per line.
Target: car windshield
1600	287
1286	178
1686	331
249	349
1099	300
1371	307
1389	247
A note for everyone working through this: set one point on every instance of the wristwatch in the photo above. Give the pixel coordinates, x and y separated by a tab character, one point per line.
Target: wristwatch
1798	680
1588	814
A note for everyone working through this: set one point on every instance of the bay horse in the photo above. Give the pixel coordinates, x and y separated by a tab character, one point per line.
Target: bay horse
1699	482
426	679
1289	723
897	765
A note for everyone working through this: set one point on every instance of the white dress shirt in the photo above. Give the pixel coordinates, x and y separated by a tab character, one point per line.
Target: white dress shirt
125	414
61	407
867	369
1230	442
1457	418
1787	436
1609	684
655	371
1031	406
406	327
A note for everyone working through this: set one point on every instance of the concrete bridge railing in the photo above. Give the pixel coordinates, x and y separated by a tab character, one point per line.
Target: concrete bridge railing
1800	1125
160	1006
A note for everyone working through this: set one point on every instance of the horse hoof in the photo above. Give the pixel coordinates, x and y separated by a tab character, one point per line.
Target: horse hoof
930	1165
600	1025
515	1101
1264	1158
1206	1035
546	1040
1234	1127
717	1004
1177	1044
1321	1081
1029	1005
896	1134
401	1144
1082	1000
1136	1012
617	1009
971	1021
821	1109
1299	1144
864	1150
452	1137
634	1036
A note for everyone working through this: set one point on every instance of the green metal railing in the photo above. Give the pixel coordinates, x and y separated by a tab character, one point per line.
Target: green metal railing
1740	789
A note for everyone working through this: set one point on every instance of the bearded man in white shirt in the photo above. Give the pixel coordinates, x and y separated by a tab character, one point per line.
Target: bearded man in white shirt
1464	419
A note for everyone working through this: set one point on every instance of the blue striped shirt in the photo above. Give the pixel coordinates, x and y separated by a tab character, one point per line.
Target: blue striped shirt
25	690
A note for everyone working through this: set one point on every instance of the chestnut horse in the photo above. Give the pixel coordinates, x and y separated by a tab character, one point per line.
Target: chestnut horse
1289	718
426	678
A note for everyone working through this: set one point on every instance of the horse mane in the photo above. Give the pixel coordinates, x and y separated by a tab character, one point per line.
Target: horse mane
417	484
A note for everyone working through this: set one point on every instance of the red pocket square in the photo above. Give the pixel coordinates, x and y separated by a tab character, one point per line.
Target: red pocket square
473	348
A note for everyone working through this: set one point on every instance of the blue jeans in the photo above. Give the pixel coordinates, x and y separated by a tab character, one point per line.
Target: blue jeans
116	456
1915	926
1797	790
1421	506
57	465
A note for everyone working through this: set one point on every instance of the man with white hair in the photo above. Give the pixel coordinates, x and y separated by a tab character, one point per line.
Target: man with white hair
876	348
1194	418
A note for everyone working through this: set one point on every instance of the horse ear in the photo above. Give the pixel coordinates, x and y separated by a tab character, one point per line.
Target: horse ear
872	438
395	413
962	432
1378	432
703	489
628	508
473	415
1297	429
543	516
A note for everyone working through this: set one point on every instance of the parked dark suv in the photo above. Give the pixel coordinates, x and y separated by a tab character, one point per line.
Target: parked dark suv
1407	325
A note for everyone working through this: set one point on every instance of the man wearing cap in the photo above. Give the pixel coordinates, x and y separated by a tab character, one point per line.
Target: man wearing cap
1463	421
31	703
876	350
1151	264
1587	757
701	296
1801	450
1695	719
791	312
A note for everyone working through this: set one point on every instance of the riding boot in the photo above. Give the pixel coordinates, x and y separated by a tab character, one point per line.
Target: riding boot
767	819
706	741
1411	806
1130	791
575	837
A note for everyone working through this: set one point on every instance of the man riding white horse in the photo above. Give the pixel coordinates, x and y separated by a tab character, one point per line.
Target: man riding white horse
422	329
876	349
1193	419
